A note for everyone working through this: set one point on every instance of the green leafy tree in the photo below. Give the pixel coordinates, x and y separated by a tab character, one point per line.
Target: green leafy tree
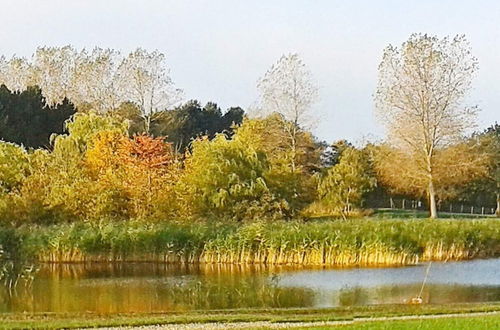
14	166
343	186
19	200
59	187
493	177
266	135
81	130
225	178
485	190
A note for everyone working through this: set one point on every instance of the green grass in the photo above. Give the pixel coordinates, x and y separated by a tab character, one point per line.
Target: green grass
50	321
322	242
485	322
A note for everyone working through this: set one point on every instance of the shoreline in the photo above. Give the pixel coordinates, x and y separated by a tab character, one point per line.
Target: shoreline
299	325
252	317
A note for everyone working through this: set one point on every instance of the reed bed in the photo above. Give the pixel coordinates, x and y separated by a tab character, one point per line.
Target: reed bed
331	243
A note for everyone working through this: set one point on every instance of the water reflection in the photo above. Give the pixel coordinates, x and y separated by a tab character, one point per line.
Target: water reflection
112	288
467	281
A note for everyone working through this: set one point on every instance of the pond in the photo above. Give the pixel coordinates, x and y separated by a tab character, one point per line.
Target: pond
141	287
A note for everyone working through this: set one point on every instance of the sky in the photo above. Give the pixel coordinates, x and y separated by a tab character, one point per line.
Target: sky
217	49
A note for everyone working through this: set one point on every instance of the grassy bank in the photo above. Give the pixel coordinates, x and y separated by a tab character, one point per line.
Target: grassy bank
482	322
342	243
287	316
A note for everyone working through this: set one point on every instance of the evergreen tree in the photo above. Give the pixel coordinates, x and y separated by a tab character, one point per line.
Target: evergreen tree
26	119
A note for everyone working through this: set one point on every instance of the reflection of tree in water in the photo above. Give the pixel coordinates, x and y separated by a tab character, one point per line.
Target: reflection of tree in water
16	279
462	293
14	269
145	269
107	288
228	291
433	293
352	296
140	287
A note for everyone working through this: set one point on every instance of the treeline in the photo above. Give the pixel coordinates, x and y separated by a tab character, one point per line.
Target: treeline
106	137
216	165
98	170
26	119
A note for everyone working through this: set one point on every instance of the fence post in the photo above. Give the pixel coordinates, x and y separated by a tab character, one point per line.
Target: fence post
472	210
403	203
482	210
462	208
451	208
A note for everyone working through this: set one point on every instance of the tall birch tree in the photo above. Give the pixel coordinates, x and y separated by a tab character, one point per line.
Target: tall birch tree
16	74
145	80
96	80
420	98
53	70
287	88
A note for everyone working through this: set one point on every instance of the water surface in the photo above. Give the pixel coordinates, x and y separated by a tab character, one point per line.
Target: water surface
141	287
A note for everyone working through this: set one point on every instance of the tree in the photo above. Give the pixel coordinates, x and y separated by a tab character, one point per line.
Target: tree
493	177
95	80
16	74
61	177
60	186
14	166
141	170
419	98
485	190
145	80
96	171
14	169
190	121
224	178
266	135
26	119
343	186
100	80
287	89
53	69
332	153
453	167
81	130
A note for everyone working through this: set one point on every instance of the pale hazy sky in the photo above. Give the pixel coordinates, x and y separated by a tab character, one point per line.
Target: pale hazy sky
218	49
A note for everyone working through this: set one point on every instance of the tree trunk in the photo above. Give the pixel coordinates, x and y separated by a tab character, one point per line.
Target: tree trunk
432	201
497	212
147	125
294	149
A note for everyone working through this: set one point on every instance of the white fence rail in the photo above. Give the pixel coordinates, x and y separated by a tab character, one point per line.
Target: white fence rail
454	208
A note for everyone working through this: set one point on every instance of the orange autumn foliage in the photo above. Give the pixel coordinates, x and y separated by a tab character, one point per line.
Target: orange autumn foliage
142	167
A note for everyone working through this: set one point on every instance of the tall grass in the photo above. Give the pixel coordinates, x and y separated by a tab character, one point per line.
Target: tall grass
342	243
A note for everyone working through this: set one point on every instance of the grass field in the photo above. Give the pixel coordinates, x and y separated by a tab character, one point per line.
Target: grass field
271	316
483	322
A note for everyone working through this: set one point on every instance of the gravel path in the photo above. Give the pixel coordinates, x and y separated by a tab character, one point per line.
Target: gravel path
285	325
